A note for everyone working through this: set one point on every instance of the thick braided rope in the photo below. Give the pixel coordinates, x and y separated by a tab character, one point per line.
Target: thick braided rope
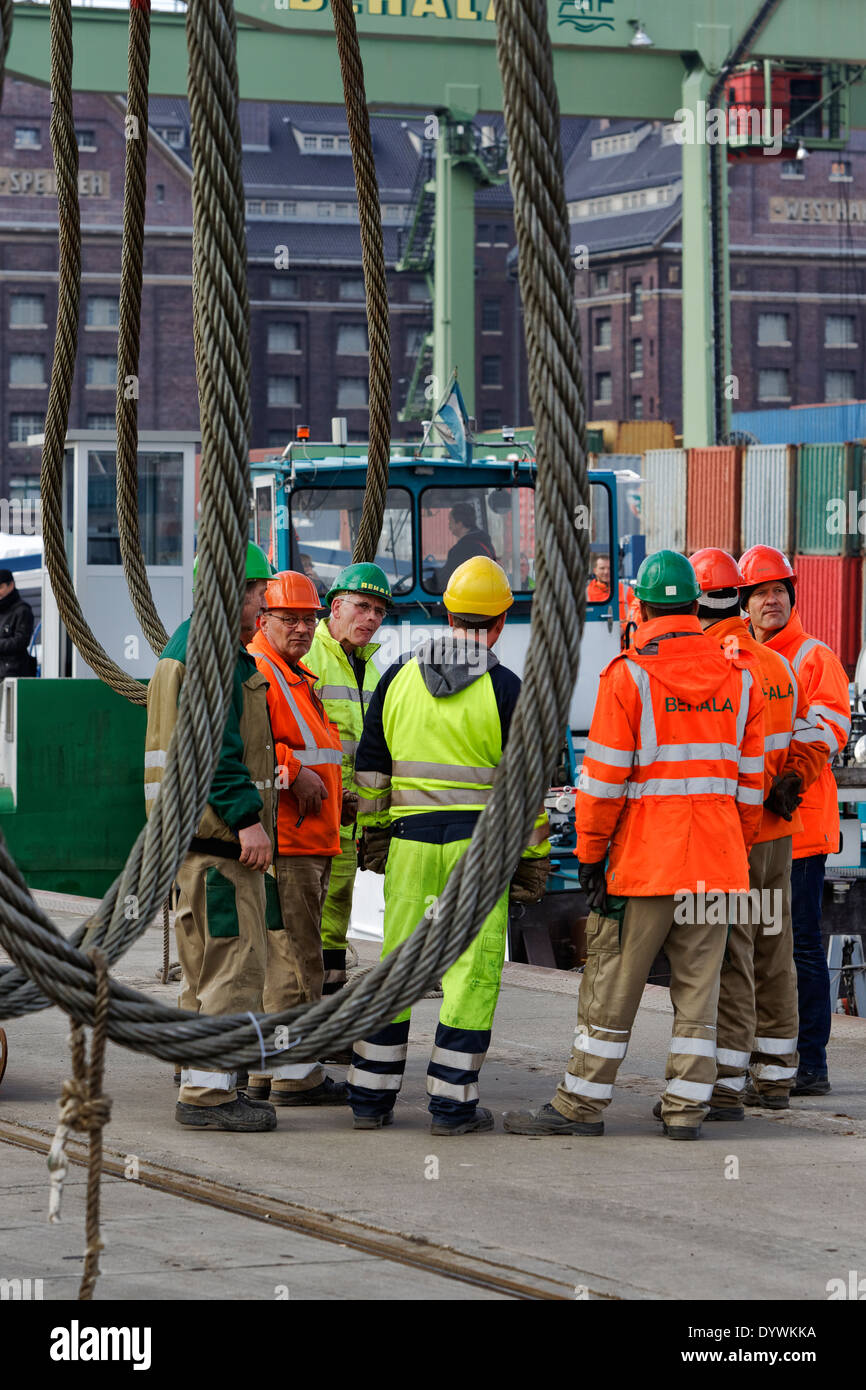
523	775
222	312
65	153
5	37
129	325
375	283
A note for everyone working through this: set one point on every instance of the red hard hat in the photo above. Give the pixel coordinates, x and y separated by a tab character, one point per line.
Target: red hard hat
716	569
292	590
762	564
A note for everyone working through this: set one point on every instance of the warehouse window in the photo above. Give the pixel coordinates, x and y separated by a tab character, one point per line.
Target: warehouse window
27	137
27	311
284	287
103	311
283	337
352	338
351	288
636	295
85	139
636	355
160	192
20	426
602	281
840	330
840	171
352	392
839	386
773	330
602	333
500	234
482	234
604	386
637	407
491	315
773	385
173	135
282	390
793	169
26	369
100	422
101	371
491	371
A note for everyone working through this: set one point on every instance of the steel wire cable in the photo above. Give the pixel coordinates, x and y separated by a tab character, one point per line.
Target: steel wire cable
537	728
5	37
375	282
129	325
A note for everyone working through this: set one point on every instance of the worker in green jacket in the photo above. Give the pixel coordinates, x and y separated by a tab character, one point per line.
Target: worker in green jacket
342	658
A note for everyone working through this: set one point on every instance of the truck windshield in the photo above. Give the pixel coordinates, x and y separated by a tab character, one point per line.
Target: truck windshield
324	524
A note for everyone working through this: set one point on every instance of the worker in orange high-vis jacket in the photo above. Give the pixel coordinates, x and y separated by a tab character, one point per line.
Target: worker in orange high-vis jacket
768	598
598	590
758	1021
668	803
309	808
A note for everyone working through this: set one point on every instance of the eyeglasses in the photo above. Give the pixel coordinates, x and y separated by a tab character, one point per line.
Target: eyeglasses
293	622
366	610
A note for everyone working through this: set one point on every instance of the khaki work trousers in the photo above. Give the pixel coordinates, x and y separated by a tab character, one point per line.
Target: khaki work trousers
618	960
222	949
758	1019
295	972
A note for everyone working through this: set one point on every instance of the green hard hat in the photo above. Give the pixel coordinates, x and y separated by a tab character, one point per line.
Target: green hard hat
257	566
666	578
360	579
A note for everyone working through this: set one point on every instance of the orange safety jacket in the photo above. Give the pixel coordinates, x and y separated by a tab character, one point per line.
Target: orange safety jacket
825	687
672	783
788	746
303	737
596	592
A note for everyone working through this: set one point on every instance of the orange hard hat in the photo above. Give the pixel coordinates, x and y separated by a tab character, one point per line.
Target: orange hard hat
764	563
292	590
716	569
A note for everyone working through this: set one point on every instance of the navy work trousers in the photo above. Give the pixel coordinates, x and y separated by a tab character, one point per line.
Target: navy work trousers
813	977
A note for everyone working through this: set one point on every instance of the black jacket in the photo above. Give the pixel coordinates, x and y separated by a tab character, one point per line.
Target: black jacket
475	542
16	629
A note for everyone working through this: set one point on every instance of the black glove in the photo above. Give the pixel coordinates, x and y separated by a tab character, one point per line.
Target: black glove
373	848
785	794
529	880
592	881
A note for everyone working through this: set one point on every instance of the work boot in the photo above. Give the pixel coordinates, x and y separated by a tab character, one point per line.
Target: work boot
374	1121
752	1096
236	1115
258	1086
811	1083
479	1123
548	1120
715	1112
328	1093
681	1131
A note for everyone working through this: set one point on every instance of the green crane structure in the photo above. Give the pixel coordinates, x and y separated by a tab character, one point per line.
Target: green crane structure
439	57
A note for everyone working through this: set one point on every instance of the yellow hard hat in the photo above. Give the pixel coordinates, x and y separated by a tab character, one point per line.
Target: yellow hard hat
478	588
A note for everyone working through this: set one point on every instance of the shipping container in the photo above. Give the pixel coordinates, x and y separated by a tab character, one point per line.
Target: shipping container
636	436
804	424
713	498
663	499
594	441
769	495
828	482
829	594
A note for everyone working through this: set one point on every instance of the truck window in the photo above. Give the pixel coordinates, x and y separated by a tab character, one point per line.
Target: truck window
324	525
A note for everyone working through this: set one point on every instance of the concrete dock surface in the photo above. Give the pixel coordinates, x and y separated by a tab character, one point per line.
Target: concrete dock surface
770	1208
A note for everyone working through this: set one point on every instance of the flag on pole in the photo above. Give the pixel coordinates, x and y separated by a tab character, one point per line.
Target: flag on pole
451	425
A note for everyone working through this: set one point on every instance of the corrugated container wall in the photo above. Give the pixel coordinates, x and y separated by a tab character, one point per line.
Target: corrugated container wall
714	490
663	499
826	474
809	424
828	600
769	494
636	436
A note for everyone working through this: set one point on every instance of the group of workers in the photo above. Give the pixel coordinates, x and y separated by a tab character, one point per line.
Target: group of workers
706	773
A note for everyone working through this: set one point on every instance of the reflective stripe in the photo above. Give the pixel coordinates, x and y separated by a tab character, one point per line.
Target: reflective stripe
213	1080
440	796
372	1081
372	807
593	787
774	742
461	1061
818	734
595	1089
151	791
597	1047
322	754
789	668
726	1058
156	758
295	1071
445	772
376	1052
833	715
732	1083
765	1071
694	1047
613	757
808	645
688	1090
743	713
750	796
376	781
349	745
437	1087
599	1029
684	786
339	692
688	752
776	1047
648	738
311	757
751	764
